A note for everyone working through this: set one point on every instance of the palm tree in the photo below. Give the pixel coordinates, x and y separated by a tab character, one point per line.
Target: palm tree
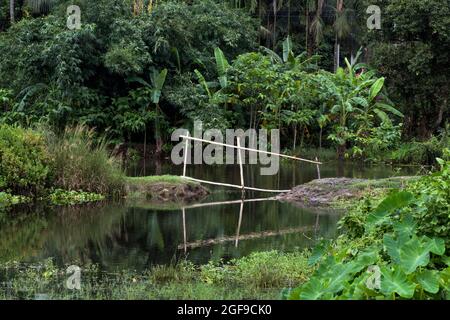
342	29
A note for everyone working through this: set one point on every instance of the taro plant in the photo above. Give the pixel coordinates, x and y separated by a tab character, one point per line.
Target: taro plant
400	253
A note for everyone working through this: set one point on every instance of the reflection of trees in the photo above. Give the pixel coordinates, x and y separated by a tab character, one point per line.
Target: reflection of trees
83	233
122	237
66	233
21	235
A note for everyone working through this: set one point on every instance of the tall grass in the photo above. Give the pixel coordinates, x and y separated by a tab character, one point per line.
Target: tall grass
83	162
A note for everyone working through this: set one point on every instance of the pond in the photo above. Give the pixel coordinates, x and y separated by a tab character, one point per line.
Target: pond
134	236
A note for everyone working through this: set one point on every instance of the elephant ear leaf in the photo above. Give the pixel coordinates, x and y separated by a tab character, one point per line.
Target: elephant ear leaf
376	88
312	290
393	202
429	281
396	282
435	245
414	254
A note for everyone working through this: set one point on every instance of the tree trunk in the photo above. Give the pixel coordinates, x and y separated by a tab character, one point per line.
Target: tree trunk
320	139
145	149
295	137
158	139
274	38
337	53
11	11
341	151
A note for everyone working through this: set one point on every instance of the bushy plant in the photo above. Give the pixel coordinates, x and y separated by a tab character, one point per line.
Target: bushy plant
84	163
25	162
432	210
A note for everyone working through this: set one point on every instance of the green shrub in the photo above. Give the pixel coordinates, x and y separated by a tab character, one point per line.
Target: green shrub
432	210
85	164
416	152
395	250
25	163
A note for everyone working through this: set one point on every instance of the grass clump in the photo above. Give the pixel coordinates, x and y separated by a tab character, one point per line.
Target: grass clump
82	162
159	179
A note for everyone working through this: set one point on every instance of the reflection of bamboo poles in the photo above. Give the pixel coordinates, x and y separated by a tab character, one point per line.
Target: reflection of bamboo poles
211	204
184	231
236	186
249	236
239	224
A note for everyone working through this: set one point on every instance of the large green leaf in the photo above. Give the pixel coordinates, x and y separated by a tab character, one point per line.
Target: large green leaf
381	114
287	48
203	82
158	80
222	67
414	254
435	245
392	247
405	228
318	252
393	202
396	282
376	88
312	290
389	108
429	280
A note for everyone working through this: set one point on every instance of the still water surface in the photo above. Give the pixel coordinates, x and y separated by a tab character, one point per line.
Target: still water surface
121	235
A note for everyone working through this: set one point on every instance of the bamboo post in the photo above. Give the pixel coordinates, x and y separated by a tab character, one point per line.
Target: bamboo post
318	168
240	165
249	149
239	224
186	147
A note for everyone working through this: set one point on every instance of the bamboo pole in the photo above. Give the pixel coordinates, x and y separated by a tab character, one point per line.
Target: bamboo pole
186	147
318	170
249	149
240	163
236	186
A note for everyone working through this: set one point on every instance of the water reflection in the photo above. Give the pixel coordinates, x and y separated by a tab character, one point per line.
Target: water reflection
138	235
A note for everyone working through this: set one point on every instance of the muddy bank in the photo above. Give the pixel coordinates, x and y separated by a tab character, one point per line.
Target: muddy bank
338	192
165	189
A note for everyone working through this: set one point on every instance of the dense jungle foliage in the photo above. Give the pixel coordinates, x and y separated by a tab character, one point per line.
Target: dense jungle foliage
140	67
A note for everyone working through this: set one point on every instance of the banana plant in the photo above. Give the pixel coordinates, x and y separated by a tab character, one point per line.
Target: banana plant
355	97
299	62
216	96
154	90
